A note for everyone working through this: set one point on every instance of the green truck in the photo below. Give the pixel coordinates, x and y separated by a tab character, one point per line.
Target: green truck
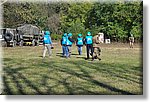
10	37
26	34
31	34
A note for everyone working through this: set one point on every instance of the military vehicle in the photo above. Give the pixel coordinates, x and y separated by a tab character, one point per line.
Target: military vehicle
31	34
11	37
24	35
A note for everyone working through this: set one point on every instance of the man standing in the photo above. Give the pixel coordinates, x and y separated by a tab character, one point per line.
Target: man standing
131	40
47	42
89	45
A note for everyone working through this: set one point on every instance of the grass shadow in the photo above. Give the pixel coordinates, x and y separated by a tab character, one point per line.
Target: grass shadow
16	75
87	77
74	54
61	73
59	53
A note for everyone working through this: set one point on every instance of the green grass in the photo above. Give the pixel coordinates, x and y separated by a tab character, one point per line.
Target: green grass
119	72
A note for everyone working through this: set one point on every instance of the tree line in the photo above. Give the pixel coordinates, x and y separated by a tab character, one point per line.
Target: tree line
117	20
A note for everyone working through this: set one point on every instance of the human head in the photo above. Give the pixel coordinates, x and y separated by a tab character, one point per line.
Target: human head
47	33
88	33
99	34
65	34
79	35
70	35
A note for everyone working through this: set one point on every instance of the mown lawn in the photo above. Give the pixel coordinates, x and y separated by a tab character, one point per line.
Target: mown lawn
119	72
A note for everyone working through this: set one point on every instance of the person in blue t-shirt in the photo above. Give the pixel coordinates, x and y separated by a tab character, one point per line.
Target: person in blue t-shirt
63	44
79	43
89	45
70	41
47	42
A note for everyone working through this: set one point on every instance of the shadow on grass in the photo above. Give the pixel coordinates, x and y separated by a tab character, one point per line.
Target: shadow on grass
41	56
74	54
87	77
16	75
71	54
115	70
60	55
81	57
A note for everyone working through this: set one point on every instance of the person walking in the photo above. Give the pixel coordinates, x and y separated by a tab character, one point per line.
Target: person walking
69	43
79	43
63	44
47	42
89	45
96	46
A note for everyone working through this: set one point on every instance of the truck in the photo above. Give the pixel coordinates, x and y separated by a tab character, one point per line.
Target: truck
26	34
31	34
11	37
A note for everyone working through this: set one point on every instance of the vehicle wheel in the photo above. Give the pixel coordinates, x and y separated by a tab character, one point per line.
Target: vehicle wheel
33	42
37	43
14	43
8	37
21	43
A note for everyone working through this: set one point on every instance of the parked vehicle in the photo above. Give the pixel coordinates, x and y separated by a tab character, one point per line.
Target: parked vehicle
11	37
24	35
31	34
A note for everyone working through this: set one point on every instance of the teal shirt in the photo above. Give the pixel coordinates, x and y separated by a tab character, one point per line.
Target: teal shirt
69	42
88	39
79	41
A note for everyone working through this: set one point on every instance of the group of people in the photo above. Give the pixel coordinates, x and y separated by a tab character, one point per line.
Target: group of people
91	43
67	42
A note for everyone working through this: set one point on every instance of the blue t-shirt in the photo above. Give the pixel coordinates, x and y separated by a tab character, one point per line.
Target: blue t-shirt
88	39
79	41
64	40
69	43
47	39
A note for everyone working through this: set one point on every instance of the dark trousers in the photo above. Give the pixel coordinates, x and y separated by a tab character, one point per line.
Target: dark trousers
80	49
89	50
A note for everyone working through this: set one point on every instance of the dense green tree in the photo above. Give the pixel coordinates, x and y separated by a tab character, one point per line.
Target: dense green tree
73	21
21	13
117	20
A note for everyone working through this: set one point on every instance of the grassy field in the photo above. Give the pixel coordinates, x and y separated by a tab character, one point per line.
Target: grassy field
118	73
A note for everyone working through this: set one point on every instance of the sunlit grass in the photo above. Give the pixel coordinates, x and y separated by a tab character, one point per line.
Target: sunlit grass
119	71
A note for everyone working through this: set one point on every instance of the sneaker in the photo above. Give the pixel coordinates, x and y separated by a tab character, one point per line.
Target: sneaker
86	58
